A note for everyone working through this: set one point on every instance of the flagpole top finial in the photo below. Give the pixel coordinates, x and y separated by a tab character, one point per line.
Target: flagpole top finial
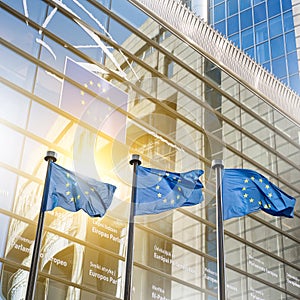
135	158
217	163
51	155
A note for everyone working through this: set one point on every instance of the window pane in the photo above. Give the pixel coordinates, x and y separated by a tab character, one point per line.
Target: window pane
221	26
277	46
259	13
294	83
219	12
261	32
292	63
235	39
288	22
246	18
245	4
273	7
233	25
290	41
232	7
279	67
286	4
247	38
262	52
250	52
275	26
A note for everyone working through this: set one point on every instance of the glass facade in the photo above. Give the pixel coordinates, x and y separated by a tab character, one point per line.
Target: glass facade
264	30
97	81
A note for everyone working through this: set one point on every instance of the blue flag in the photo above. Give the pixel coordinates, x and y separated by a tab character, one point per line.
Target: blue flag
245	191
91	110
159	190
74	192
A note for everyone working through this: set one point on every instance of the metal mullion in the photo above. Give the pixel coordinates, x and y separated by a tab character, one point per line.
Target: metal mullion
67	283
233	268
61	42
121	79
62	234
235	237
179	116
174	58
170	277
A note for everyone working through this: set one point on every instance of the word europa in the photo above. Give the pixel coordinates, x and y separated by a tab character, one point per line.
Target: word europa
111	236
295	283
168	257
105	277
258	264
256	294
158	293
55	260
213	279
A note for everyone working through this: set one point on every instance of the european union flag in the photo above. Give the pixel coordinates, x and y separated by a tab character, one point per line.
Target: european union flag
74	192
245	191
159	190
92	110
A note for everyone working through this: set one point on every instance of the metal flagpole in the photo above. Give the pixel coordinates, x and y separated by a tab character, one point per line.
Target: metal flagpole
50	156
135	161
218	165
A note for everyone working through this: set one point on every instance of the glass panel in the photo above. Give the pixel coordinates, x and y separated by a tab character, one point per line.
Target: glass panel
15	141
294	83
221	27
277	47
292	65
257	289
286	4
245	4
261	32
288	22
18	33
265	267
269	240
151	285
232	25
17	69
232	7
246	19
273	7
290	41
219	13
259	13
236	286
275	26
235	253
16	109
279	67
235	39
262	52
247	38
7	192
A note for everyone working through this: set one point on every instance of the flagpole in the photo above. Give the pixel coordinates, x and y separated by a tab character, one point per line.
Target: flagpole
50	157
135	161
217	165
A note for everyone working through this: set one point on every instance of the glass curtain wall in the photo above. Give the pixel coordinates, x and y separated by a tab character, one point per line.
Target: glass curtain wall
264	30
97	81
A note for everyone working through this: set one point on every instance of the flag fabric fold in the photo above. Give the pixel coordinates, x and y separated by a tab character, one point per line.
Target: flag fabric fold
74	192
159	191
245	191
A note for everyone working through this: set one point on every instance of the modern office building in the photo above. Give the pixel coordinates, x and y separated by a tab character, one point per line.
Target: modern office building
267	30
98	81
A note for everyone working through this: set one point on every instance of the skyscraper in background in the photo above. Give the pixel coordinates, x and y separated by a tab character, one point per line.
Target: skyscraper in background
265	29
